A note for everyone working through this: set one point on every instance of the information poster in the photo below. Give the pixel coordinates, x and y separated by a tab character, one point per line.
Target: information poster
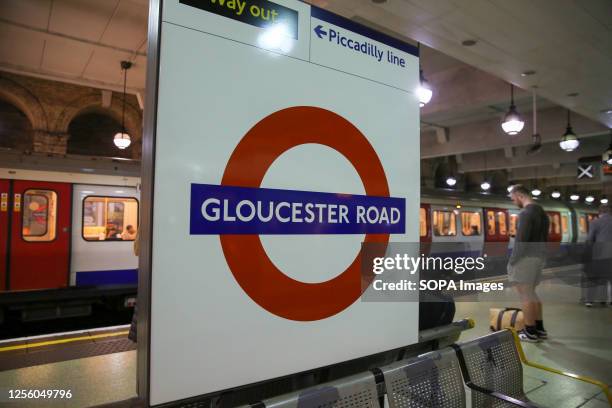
286	136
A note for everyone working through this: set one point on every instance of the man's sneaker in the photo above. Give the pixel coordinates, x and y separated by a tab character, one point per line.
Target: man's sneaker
524	335
542	334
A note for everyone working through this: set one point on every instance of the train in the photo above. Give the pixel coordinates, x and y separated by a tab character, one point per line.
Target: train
66	241
67	238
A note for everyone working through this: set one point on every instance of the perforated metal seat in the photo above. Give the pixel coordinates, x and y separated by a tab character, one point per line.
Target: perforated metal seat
357	391
493	363
430	380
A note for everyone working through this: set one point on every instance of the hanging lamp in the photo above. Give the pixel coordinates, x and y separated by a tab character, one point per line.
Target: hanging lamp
122	139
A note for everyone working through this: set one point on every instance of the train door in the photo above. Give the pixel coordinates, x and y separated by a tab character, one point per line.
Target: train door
425	228
512	226
497	237
4	215
582	226
40	235
566	230
554	227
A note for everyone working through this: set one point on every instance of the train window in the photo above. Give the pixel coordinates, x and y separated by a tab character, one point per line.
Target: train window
470	223
110	218
555	224
513	224
564	224
502	223
444	223
582	224
423	222
39	215
491	222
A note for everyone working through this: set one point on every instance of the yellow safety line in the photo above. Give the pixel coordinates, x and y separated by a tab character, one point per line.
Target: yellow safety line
62	341
519	347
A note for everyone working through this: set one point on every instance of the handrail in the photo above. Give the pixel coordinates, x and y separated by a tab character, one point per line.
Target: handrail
519	347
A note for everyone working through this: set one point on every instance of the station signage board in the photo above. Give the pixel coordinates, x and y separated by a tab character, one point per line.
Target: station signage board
285	137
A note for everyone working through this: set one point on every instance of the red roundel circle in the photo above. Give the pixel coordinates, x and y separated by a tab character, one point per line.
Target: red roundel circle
265	284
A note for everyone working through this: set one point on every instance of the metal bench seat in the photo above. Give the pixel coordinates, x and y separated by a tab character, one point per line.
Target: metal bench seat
493	363
357	391
430	380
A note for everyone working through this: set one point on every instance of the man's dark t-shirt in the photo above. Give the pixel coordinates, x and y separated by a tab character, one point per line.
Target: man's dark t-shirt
531	234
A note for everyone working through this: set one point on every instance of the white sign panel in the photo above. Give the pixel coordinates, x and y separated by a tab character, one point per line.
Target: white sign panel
286	137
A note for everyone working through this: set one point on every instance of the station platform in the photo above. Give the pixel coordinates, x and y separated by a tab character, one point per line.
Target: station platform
100	366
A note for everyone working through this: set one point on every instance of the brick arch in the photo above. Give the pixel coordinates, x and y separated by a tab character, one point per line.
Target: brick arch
26	102
93	103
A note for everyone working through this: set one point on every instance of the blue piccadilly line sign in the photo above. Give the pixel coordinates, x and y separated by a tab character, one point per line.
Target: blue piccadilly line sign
218	210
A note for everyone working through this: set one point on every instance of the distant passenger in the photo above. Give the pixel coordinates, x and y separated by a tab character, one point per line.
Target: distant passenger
599	269
475	230
111	232
129	234
527	260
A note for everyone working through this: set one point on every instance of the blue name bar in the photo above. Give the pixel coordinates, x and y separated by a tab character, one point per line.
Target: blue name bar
218	210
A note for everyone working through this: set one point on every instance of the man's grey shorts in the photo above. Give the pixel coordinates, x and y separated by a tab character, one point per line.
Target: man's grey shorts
526	270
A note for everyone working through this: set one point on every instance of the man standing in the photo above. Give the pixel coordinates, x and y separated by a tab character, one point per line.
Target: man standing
527	260
600	268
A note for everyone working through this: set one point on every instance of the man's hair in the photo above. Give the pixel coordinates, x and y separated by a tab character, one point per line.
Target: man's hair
520	189
605	209
129	226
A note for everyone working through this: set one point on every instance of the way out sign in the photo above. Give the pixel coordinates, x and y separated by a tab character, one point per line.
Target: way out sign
285	137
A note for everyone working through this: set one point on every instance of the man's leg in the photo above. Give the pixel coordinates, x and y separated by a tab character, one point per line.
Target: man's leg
529	303
531	311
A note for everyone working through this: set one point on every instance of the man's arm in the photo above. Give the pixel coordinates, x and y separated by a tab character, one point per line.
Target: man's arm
525	224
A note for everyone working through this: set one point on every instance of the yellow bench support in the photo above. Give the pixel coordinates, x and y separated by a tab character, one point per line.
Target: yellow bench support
605	388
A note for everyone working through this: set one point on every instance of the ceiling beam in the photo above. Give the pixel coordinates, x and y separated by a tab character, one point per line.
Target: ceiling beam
488	135
549	155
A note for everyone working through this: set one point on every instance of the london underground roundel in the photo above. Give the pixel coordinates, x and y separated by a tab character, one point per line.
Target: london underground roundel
264	283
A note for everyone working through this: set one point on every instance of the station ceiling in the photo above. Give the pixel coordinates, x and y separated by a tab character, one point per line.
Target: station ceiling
567	43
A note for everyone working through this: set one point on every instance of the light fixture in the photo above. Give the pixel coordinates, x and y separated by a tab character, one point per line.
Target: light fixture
604	200
536	192
485	186
276	38
555	194
574	197
607	156
589	199
513	123
451	181
569	142
423	91
122	139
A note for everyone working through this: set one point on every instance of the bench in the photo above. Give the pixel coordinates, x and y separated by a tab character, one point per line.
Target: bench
356	391
430	380
491	367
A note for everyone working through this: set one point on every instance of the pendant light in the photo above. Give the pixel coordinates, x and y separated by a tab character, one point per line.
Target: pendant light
513	123
555	194
536	145
536	192
423	91
607	156
122	139
485	185
569	142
